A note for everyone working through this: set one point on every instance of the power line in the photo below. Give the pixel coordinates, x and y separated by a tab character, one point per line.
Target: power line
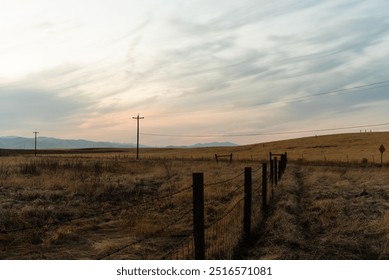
331	93
266	133
340	91
350	90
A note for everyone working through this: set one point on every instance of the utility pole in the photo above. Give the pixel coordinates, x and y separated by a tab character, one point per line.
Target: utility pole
35	132
137	118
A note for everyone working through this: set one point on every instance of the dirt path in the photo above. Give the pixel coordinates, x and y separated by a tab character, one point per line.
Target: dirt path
322	213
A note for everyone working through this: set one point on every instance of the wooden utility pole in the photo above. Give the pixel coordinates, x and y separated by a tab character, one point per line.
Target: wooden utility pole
35	132
137	134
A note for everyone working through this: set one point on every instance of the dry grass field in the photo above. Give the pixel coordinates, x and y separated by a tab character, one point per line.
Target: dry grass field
103	204
327	213
345	148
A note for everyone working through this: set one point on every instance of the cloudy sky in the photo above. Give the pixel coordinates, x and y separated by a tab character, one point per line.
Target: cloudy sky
244	71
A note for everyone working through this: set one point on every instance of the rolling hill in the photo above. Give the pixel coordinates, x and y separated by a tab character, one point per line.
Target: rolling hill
15	142
346	147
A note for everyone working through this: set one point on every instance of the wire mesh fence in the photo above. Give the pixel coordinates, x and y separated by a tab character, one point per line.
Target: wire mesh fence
224	228
223	235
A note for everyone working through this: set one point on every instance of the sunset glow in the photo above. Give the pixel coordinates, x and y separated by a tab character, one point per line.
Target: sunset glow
214	70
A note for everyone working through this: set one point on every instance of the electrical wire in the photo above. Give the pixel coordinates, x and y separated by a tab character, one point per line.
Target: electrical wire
266	133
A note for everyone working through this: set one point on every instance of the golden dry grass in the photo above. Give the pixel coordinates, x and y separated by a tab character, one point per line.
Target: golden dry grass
104	206
350	147
92	204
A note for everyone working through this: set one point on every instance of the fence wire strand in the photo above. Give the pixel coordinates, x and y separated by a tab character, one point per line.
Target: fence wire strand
93	215
221	235
225	181
148	237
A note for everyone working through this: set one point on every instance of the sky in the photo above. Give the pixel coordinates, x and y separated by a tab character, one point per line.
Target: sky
198	71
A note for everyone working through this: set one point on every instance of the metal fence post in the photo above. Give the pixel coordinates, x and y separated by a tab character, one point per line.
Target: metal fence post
198	215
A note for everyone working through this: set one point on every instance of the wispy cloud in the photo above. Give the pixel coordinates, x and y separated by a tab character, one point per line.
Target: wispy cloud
192	67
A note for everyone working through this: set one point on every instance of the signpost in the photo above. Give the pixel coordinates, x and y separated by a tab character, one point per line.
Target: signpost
382	150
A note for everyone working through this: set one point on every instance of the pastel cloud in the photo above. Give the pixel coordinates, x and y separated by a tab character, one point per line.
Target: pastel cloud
193	68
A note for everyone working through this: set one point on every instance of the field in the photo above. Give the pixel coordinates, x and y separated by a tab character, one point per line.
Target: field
349	148
328	213
104	204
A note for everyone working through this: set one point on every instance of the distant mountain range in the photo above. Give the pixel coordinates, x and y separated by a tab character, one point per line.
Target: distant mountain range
203	145
15	142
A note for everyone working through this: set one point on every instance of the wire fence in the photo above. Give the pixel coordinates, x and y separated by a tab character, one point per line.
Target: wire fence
223	230
223	234
147	237
145	202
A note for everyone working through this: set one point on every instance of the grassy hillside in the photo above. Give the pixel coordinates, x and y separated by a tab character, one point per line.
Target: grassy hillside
339	147
350	147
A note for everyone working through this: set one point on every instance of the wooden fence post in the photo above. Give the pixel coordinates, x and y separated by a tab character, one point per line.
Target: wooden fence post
264	186
282	166
279	169
198	216
275	171
272	171
247	202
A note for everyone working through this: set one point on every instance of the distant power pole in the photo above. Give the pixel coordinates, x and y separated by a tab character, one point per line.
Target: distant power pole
137	118
35	132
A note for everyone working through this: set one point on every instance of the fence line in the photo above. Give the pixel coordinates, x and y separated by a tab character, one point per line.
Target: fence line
93	215
222	236
219	238
225	181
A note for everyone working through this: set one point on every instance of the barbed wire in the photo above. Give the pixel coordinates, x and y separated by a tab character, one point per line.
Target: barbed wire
151	201
147	237
226	213
256	170
225	181
93	215
147	202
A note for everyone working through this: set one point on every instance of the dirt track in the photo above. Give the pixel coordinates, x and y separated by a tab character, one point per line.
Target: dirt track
327	213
